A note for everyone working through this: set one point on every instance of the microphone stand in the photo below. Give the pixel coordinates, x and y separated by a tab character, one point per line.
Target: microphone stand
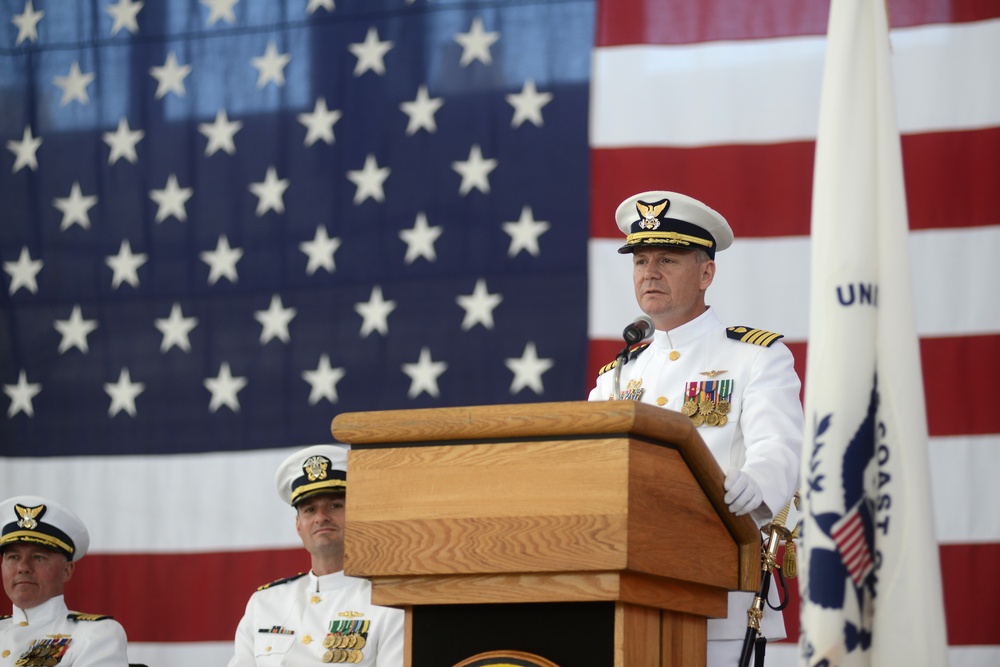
632	335
620	361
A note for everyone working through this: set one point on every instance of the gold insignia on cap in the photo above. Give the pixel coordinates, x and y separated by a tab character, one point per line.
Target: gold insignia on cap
28	516
315	467
650	213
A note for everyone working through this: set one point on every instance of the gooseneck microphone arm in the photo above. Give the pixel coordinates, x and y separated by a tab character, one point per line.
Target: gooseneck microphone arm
636	332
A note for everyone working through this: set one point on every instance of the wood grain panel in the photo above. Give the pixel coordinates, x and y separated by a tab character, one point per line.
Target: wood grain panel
576	477
577	486
673	594
637	636
670	516
499	588
684	640
556	587
486	544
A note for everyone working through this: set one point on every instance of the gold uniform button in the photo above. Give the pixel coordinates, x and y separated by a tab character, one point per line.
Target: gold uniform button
267	649
315	599
674	355
662	400
23	624
4	654
307	639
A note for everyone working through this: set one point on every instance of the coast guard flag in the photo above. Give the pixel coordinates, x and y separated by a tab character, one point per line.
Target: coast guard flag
871	580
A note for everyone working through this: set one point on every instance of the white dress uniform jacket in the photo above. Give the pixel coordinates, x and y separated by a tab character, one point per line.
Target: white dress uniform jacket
88	643
287	623
763	432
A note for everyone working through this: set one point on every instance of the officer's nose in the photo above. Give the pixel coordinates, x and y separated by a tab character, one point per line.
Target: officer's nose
649	270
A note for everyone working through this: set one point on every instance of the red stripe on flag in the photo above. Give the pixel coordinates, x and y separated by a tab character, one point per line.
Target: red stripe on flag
177	597
954	369
971	585
963	164
767	188
763	190
203	595
970	579
947	363
711	20
850	538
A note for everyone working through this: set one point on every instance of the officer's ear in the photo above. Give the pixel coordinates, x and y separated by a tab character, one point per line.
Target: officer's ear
707	274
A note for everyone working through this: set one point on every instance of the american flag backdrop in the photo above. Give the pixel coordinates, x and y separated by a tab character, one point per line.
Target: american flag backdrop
224	222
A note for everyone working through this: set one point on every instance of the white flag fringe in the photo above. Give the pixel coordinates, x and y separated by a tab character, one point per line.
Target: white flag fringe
870	574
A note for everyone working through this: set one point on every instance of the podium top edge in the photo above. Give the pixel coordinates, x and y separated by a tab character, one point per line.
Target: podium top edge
523	420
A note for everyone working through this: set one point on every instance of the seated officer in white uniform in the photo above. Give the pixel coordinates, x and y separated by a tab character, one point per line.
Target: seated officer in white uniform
736	383
324	615
40	544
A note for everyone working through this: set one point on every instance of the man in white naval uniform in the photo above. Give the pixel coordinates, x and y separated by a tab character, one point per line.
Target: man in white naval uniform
323	615
736	383
40	544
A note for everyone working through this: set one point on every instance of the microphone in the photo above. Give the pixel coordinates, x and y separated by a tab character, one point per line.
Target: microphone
641	329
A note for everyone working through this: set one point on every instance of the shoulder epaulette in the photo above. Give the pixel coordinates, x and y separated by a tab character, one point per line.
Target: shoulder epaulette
278	582
77	616
753	336
632	354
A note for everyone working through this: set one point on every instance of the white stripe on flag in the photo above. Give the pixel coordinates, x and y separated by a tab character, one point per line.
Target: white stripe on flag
951	261
778	84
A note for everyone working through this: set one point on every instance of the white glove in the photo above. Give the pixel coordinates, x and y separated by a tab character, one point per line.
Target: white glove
743	494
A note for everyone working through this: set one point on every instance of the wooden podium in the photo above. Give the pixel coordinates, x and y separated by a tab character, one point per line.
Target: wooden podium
586	533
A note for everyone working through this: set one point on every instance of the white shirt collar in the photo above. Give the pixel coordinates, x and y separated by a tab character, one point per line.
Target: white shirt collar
688	332
46	612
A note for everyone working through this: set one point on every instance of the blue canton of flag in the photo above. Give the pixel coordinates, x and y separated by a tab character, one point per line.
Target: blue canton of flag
225	223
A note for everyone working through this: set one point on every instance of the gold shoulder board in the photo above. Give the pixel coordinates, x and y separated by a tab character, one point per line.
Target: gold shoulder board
632	354
76	616
753	336
278	582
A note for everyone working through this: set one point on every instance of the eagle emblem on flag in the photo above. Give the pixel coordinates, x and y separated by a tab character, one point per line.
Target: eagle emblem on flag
848	582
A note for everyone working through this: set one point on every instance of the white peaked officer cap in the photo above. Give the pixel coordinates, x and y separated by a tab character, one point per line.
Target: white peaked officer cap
37	520
310	471
659	218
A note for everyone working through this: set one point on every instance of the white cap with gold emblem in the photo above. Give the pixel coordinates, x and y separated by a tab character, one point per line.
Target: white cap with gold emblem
313	470
660	218
37	520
